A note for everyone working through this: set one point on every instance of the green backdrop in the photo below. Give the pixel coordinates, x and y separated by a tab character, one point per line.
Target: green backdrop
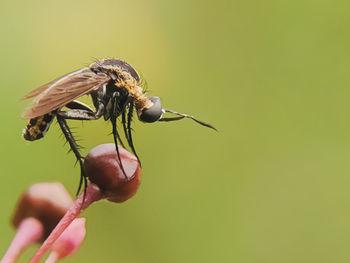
273	76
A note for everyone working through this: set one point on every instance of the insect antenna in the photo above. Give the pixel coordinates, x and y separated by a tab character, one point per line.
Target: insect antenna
182	115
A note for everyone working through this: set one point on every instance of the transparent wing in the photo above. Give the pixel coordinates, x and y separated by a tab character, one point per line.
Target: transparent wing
63	91
39	90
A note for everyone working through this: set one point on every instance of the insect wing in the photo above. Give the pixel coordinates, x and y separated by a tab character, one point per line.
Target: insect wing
41	89
65	90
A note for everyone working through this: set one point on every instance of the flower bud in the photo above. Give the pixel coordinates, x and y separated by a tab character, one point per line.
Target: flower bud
70	240
47	202
103	169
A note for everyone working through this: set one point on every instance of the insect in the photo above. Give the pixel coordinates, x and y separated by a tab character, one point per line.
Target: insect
116	92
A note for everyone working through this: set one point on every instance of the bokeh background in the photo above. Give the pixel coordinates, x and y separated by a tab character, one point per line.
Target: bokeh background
273	185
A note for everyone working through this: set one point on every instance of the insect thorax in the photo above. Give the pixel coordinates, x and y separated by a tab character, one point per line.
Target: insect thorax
127	82
125	77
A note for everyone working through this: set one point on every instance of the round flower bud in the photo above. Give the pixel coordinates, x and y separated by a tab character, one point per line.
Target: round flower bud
103	169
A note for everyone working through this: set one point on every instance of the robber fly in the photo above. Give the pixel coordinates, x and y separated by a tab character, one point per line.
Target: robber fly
115	89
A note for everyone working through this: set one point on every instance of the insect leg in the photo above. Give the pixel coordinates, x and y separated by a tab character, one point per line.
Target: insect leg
116	111
116	136
127	133
77	114
124	127
75	148
130	142
120	140
80	111
77	105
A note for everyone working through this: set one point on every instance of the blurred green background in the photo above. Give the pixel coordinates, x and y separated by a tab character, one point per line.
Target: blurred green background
273	76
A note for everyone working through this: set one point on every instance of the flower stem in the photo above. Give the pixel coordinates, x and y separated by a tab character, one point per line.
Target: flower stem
52	258
29	231
93	193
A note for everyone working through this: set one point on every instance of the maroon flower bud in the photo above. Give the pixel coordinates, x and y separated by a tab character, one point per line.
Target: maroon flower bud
108	181
37	212
47	202
103	169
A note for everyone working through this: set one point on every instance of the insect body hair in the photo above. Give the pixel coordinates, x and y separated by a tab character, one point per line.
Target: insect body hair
133	87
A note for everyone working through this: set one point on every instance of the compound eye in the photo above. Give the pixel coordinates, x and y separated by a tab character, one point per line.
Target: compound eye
153	113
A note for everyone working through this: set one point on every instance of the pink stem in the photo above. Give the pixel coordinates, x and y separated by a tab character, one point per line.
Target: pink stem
29	231
93	193
52	258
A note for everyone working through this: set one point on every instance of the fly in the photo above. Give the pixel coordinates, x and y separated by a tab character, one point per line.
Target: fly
115	89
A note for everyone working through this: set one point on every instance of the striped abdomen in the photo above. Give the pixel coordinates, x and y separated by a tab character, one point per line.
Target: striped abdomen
37	127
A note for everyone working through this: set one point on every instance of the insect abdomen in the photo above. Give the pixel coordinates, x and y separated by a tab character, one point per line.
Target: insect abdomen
37	127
